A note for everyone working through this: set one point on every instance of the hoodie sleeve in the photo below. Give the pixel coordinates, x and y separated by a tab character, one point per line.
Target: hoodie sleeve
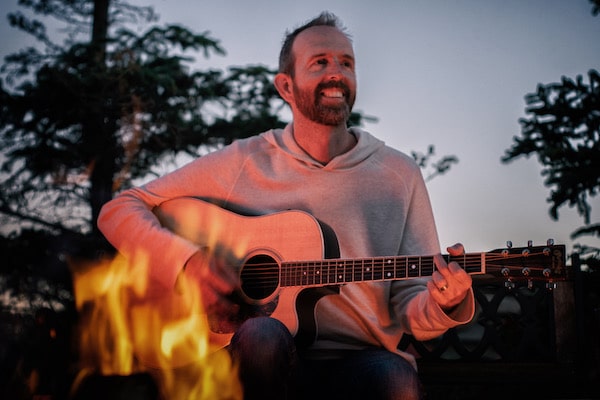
426	320
419	314
129	224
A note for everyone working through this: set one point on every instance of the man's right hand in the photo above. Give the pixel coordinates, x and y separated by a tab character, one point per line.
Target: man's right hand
216	278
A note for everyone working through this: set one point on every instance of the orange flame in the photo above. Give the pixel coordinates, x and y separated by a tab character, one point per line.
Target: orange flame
123	332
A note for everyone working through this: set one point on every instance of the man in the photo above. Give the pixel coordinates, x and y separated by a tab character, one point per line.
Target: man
374	199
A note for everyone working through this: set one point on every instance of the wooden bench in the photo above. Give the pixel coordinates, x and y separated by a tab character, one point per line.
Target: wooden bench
524	342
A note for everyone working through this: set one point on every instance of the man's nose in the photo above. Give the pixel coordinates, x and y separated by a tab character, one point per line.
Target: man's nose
335	70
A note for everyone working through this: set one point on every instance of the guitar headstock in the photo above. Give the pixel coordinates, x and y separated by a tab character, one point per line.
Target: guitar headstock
532	263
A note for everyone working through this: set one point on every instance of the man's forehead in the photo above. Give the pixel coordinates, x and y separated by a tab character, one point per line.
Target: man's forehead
322	39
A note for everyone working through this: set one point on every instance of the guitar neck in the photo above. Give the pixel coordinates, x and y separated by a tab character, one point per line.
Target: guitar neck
546	263
342	271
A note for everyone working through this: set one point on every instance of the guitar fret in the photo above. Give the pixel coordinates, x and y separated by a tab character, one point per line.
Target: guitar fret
298	275
368	269
427	266
318	274
339	272
401	269
301	275
377	270
288	275
359	271
283	276
331	275
348	271
388	268
292	275
413	266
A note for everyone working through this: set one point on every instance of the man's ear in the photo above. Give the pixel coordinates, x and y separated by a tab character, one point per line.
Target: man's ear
283	84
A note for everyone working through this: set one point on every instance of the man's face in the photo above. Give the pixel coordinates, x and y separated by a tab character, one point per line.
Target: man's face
324	81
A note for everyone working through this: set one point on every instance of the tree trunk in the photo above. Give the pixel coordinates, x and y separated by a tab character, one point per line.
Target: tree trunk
97	131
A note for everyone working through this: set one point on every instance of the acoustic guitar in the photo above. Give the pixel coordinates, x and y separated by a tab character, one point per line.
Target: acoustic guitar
289	260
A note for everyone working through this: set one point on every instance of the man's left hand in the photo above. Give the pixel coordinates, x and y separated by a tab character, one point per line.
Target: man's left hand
449	284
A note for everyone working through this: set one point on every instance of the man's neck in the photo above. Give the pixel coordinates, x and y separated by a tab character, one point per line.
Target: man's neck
322	142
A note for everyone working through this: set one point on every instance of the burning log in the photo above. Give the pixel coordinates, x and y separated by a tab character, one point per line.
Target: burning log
118	387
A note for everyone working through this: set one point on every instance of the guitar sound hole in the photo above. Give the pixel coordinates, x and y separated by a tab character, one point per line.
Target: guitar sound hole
260	277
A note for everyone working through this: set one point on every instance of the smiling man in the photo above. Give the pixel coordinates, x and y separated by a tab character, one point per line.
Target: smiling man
371	196
318	80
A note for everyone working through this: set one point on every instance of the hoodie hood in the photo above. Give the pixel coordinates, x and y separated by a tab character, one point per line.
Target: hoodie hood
366	146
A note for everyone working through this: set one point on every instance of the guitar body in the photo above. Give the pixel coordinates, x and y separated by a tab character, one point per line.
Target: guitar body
290	235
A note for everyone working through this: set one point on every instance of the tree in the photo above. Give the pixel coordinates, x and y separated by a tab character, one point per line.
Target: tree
86	118
563	130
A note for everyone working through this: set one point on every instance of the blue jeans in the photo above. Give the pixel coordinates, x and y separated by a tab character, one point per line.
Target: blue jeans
271	368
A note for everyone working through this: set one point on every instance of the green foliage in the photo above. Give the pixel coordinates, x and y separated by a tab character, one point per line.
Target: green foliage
563	130
596	7
433	168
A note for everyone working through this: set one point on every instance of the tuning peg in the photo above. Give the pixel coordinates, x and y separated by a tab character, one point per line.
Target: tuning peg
509	244
530	243
550	242
550	286
529	284
546	272
509	285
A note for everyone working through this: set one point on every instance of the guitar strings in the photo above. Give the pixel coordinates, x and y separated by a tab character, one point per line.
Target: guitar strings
299	272
341	263
382	261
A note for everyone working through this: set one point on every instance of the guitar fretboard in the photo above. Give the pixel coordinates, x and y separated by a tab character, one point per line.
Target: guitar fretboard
341	271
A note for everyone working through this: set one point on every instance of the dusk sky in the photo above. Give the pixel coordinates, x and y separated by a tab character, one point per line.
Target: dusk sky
452	73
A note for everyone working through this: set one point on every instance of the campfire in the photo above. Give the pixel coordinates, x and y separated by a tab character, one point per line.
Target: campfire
158	347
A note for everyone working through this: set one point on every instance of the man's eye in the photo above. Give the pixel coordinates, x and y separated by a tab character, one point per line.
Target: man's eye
322	61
